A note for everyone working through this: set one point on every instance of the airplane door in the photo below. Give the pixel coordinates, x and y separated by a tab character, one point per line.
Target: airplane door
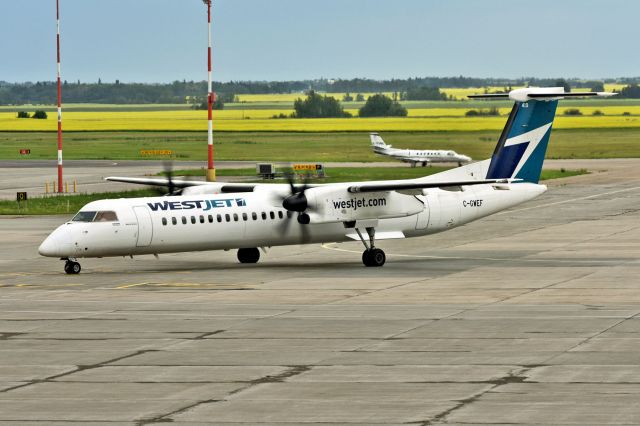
145	226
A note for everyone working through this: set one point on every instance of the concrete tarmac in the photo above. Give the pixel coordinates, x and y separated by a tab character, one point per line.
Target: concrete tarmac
527	317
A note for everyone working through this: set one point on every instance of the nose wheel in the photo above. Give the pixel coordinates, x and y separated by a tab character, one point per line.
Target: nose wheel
248	255
72	268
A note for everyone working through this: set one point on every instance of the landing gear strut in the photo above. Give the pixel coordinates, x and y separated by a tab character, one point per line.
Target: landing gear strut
72	267
372	256
248	255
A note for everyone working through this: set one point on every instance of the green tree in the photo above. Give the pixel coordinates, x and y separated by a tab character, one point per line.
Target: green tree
347	97
23	114
563	83
630	91
382	106
425	93
318	106
596	86
40	115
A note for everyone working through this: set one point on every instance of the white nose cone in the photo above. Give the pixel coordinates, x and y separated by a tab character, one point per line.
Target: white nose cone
49	247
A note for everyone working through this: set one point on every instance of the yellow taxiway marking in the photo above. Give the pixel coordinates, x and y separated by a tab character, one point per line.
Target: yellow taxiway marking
47	285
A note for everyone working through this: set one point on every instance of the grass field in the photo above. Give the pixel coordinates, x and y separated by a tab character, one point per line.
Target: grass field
69	204
288	146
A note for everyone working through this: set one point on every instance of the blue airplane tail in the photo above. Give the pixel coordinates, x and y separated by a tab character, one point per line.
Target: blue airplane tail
523	143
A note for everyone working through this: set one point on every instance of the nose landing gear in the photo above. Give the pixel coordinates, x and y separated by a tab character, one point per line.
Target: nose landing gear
72	267
248	255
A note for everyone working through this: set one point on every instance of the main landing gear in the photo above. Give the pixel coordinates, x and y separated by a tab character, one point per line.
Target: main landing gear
248	255
72	267
372	256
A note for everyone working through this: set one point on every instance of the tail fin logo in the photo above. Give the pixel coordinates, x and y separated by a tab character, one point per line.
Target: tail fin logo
532	139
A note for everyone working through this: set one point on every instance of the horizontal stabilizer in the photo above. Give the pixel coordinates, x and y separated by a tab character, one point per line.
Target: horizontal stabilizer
540	93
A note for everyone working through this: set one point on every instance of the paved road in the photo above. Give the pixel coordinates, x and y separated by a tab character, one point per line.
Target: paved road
528	317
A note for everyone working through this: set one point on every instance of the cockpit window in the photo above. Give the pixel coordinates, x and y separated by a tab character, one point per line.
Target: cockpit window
84	217
451	153
106	216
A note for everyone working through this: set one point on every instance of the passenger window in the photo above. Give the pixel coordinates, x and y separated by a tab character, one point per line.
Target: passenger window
201	219
254	216
280	215
219	217
235	217
106	216
272	215
289	214
184	220
193	220
210	218
164	221
227	218
174	221
244	216
264	216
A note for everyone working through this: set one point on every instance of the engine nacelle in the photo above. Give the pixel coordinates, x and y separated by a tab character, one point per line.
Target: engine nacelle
338	205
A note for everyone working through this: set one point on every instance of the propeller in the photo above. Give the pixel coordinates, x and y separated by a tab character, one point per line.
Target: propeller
296	202
171	188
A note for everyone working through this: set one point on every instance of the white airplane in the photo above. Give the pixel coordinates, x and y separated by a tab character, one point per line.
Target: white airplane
248	217
414	156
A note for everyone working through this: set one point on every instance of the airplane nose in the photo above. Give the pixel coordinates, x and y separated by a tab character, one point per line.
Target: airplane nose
50	247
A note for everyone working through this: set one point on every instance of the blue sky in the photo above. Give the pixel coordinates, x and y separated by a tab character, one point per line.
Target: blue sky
165	40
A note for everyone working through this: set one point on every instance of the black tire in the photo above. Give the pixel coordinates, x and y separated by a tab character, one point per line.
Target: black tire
366	258
248	255
378	258
72	268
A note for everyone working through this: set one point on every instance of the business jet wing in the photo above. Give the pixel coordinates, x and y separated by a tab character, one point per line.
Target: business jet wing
403	186
222	187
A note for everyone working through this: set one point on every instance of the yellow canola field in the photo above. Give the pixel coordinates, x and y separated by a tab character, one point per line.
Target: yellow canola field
231	120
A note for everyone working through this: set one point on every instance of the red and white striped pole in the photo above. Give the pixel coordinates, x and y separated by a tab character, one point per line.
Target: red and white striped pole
59	103
211	171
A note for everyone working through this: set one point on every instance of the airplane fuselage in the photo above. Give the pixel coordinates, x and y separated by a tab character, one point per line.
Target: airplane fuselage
227	221
422	156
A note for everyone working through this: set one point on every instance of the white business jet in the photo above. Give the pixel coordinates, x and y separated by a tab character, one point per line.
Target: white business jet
248	217
414	156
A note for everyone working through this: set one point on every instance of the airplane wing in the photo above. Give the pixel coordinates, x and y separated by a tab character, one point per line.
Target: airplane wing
400	186
222	187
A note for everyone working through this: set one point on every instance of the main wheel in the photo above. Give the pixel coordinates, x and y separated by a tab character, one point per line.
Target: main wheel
72	268
248	255
373	257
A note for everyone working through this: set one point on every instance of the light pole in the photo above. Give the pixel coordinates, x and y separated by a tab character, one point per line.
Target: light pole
211	171
59	101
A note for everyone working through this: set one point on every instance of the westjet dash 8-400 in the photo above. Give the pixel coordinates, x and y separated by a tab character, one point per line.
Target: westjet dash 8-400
250	217
415	156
